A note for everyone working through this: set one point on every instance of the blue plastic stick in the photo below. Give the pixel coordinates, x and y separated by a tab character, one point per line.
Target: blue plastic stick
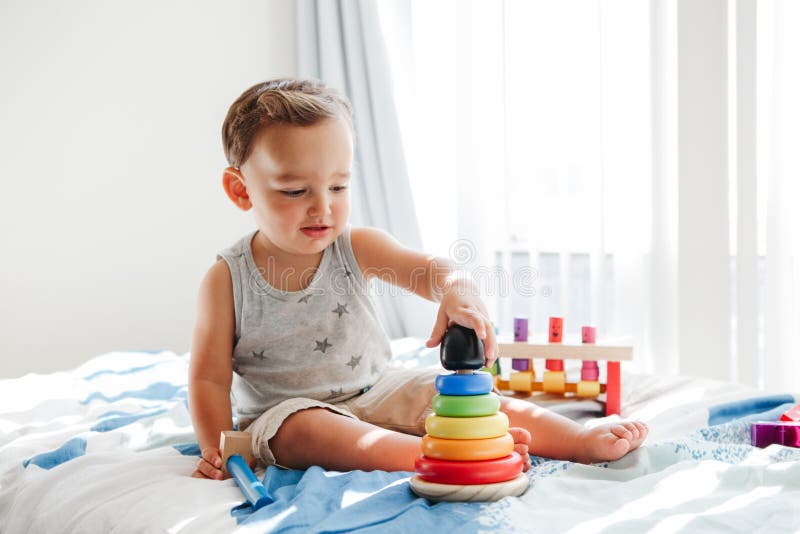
253	489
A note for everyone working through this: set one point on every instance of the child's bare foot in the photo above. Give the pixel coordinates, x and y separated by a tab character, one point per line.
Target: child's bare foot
522	439
610	442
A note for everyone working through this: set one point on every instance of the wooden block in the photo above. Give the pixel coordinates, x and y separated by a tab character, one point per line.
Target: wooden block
587	389
521	381
473	493
559	351
234	442
554	382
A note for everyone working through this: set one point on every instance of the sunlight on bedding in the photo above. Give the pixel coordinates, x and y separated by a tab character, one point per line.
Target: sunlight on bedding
680	522
272	522
179	526
672	492
351	497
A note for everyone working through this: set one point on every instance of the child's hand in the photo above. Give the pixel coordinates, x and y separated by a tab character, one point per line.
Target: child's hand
467	310
210	465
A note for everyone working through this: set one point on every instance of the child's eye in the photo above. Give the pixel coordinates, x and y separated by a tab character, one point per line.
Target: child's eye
338	188
294	193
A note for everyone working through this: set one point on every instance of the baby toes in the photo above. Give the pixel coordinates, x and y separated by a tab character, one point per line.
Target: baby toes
642	432
617	447
633	429
621	431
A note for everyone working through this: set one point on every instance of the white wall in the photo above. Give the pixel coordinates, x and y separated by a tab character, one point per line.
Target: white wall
111	207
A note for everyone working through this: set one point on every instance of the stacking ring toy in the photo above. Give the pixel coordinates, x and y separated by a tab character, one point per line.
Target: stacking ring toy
466	405
484	472
492	426
462	493
467	449
478	383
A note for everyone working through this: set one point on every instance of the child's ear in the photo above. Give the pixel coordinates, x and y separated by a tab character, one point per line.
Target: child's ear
233	183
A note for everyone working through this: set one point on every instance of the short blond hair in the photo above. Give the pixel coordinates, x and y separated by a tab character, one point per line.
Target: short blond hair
298	102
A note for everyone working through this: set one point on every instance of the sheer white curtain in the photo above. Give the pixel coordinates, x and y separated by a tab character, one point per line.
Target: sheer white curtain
779	188
528	134
599	160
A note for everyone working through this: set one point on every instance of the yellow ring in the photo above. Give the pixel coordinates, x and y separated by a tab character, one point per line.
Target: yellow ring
467	449
491	426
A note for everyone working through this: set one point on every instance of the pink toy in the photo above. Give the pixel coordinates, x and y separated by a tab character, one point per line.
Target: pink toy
764	433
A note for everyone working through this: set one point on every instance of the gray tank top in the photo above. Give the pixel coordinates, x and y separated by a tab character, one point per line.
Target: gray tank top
324	342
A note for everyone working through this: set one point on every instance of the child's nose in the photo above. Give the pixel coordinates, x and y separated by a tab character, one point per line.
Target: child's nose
320	205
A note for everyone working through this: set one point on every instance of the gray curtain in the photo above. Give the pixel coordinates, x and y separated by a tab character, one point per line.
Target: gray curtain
340	42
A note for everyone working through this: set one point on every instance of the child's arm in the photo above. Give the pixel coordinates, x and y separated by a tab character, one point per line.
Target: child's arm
380	255
210	368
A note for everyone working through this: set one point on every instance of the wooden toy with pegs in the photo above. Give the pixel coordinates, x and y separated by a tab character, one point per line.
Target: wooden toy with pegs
523	375
236	457
467	453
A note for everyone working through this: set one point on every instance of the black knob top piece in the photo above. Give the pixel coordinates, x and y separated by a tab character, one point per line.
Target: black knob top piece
461	349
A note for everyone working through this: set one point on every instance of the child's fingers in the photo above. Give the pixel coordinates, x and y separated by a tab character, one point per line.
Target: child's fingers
471	318
211	463
439	329
490	348
212	456
479	325
207	470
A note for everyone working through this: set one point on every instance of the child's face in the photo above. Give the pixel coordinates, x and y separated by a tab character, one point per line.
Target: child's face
297	179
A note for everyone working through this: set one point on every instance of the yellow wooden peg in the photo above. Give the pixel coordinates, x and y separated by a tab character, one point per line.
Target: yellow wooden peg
587	388
521	381
554	382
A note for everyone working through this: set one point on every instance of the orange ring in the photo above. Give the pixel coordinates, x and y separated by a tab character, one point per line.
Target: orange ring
467	449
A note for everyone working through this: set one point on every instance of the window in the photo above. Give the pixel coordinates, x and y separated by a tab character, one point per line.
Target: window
534	117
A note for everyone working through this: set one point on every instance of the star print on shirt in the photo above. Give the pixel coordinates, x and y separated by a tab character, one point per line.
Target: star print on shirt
305	299
259	355
323	345
354	362
341	309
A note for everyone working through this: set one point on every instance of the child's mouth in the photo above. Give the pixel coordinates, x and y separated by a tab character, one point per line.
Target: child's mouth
315	231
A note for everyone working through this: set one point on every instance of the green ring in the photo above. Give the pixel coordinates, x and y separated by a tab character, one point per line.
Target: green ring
466	405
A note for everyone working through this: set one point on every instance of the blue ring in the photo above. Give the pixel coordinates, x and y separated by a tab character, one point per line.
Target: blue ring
477	383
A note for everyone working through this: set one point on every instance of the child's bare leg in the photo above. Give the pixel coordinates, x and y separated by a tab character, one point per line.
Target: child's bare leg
555	436
320	437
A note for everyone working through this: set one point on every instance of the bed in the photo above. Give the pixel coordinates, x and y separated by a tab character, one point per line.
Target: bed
109	447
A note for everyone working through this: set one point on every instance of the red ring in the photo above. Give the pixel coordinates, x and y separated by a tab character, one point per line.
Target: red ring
469	473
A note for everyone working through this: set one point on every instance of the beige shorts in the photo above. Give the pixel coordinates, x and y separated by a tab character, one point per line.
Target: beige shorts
400	400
